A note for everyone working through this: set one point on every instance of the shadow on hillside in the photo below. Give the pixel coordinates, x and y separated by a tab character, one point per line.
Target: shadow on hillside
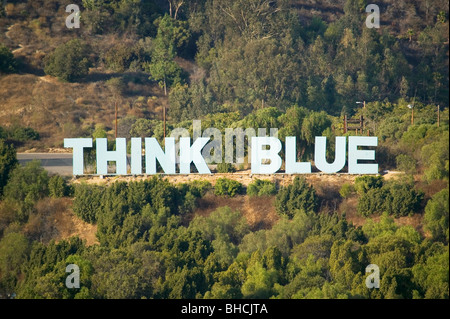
99	77
137	83
23	66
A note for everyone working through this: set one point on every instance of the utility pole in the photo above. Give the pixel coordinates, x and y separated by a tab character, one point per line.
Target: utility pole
164	120
412	113
363	103
115	131
345	124
439	116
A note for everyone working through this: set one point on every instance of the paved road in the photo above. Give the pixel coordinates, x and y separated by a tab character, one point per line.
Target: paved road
54	163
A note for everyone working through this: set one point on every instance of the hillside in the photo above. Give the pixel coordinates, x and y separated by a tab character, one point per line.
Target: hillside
55	109
310	68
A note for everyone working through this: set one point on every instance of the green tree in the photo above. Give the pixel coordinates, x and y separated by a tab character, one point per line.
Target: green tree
432	276
163	67
225	168
14	248
8	63
227	187
57	187
8	161
261	188
142	128
346	190
99	132
406	163
298	196
436	216
87	202
364	183
436	158
69	62
26	185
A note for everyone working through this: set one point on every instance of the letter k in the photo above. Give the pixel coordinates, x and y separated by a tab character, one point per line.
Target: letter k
189	154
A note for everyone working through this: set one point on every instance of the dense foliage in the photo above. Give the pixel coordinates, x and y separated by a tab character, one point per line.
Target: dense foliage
8	63
261	188
227	187
146	248
299	196
69	62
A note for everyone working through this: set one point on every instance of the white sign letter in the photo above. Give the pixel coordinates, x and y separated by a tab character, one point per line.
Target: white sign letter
292	167
190	154
320	151
136	156
119	156
78	144
258	154
154	151
354	155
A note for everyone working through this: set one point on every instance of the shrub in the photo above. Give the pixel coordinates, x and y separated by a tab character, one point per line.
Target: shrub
199	187
436	215
3	133
69	62
436	158
88	202
8	63
261	188
406	163
23	134
143	128
227	187
26	185
395	198
373	202
346	190
365	183
8	161
120	57
189	192
225	168
299	196
404	200
57	187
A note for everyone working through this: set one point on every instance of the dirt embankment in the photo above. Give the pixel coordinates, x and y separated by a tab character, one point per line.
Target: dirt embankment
53	219
244	177
259	212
